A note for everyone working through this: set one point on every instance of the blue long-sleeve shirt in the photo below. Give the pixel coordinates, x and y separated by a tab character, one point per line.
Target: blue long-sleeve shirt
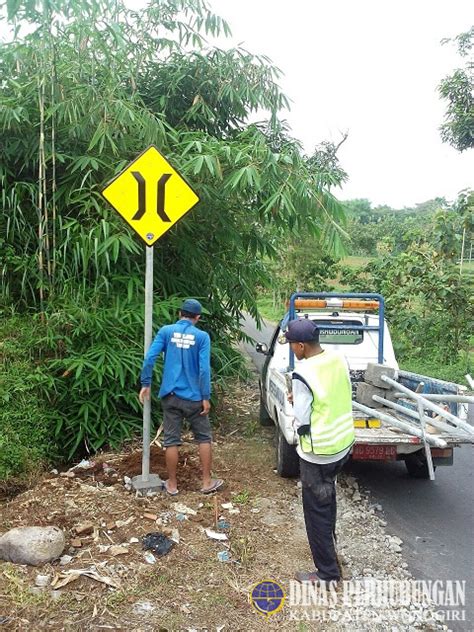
187	366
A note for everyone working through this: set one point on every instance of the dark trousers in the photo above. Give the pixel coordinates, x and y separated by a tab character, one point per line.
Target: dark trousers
319	507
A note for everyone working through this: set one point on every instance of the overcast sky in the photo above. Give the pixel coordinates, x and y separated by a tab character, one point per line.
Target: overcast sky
370	67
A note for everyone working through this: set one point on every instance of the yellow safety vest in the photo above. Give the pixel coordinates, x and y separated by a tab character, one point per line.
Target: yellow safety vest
332	425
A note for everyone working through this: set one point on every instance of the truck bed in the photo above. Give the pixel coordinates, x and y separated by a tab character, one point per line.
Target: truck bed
386	436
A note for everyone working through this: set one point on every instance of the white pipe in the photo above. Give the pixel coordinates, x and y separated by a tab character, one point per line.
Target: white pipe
411	413
460	399
427	404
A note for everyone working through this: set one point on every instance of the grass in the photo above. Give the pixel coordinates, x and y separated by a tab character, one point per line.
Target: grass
270	311
355	261
436	368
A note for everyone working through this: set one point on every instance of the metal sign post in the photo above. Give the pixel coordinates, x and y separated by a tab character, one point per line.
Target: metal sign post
151	196
147	482
147	343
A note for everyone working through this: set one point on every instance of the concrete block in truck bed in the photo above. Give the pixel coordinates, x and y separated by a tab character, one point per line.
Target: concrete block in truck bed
364	394
374	373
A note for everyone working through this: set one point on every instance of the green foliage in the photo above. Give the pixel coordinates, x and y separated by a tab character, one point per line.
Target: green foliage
453	372
379	230
86	87
458	90
430	306
26	425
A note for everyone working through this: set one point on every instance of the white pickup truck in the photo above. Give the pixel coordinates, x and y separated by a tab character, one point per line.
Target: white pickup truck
354	325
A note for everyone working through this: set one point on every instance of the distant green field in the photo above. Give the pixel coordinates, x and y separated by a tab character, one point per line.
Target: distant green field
355	262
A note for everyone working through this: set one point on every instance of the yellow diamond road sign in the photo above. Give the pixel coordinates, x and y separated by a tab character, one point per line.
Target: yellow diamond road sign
150	195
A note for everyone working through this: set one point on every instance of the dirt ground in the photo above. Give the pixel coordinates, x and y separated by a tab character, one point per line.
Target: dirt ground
189	588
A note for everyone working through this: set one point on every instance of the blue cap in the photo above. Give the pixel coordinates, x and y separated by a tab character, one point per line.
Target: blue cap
302	330
192	306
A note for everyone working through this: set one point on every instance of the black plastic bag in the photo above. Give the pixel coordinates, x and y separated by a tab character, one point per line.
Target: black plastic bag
158	543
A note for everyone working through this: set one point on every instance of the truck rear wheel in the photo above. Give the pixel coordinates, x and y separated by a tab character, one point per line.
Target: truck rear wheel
417	465
287	459
264	417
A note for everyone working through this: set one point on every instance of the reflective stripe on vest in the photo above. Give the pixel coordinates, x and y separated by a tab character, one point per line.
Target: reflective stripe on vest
332	425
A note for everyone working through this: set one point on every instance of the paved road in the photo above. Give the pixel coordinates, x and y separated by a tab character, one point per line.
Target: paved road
435	519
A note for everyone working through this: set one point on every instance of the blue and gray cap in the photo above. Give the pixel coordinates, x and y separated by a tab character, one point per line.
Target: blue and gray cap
301	330
192	306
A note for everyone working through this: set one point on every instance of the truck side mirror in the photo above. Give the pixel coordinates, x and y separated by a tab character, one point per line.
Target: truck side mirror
261	347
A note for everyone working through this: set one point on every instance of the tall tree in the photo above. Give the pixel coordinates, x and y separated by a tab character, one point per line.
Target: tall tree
458	90
86	85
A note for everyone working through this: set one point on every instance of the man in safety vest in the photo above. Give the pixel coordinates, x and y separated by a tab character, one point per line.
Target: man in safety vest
322	403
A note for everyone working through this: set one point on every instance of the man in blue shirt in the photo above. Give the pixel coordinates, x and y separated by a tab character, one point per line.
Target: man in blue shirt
185	390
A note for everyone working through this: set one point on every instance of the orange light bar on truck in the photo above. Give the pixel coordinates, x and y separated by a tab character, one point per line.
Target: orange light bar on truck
311	303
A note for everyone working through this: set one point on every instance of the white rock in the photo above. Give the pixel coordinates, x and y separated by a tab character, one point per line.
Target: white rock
32	545
356	497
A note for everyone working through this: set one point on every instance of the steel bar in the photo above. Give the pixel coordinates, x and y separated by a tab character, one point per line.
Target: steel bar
435	397
429	458
430	405
436	423
406	426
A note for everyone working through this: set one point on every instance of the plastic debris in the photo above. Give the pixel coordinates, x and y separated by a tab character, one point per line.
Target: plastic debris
175	535
223	556
157	542
227	506
150	558
143	607
223	524
42	580
85	464
184	509
181	517
213	535
134	541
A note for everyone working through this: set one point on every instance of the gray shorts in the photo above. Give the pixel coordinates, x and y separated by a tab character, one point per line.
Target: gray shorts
175	410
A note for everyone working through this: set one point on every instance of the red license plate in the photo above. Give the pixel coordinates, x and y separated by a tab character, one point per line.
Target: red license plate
374	452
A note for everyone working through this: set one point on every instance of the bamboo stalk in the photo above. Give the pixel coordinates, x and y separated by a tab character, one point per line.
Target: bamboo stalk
53	164
40	203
